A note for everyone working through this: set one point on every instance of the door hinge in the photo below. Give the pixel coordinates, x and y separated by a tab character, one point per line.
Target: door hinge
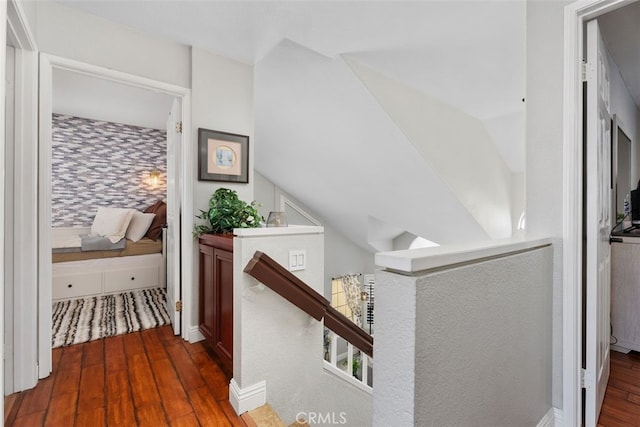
179	127
584	71
583	378
178	305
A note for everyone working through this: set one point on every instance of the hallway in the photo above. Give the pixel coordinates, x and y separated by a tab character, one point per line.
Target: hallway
148	378
621	407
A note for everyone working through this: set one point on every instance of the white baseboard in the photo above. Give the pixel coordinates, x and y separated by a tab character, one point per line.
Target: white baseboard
620	349
558	417
195	335
553	418
248	398
548	420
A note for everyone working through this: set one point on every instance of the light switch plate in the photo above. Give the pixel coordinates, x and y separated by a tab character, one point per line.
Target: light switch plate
297	260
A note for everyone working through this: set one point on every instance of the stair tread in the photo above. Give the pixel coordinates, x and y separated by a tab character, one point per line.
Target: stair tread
265	416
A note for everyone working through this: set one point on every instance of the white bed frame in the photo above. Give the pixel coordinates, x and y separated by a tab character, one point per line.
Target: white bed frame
79	279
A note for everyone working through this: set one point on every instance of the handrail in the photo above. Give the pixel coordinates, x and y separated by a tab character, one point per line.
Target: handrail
269	272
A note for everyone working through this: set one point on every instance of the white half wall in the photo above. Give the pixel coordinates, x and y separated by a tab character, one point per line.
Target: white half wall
474	327
276	342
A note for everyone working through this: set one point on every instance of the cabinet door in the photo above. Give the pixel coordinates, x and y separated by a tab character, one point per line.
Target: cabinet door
206	310
223	296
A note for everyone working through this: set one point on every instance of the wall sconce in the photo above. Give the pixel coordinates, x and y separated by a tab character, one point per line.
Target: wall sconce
154	177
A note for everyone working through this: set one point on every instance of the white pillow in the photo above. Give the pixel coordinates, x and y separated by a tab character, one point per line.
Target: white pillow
140	223
111	223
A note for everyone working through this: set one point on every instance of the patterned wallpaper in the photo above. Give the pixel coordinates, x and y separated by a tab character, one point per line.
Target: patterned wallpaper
96	163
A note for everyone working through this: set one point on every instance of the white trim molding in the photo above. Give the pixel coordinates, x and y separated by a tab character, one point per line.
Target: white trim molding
23	323
194	334
548	420
3	58
576	14
246	399
283	201
19	32
553	418
47	64
558	417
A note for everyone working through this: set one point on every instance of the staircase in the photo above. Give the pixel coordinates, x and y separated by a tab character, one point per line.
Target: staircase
265	416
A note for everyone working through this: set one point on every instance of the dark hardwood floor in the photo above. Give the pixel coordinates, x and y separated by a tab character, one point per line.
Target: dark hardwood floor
148	378
621	406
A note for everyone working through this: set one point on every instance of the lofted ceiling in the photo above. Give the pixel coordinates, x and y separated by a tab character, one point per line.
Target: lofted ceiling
347	156
469	54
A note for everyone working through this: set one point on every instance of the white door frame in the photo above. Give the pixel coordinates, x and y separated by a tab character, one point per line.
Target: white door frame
576	14
3	33
47	64
23	322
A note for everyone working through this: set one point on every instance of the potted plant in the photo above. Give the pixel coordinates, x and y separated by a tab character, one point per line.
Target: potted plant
226	212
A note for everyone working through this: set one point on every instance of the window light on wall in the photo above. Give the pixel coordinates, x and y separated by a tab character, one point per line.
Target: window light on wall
421	242
522	221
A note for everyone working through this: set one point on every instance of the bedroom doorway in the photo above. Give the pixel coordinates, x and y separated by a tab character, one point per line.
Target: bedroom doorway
178	194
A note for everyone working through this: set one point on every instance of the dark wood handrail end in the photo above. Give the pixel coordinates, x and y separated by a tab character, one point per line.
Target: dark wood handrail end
283	282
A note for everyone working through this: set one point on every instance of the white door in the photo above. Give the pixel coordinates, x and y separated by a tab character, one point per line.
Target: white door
174	144
598	224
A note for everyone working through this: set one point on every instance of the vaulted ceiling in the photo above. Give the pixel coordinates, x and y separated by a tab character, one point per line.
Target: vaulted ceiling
329	134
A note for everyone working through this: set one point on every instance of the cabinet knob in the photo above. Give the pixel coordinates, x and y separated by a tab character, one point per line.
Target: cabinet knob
69	285
133	278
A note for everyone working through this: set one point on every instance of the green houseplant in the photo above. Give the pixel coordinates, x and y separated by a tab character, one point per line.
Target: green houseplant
226	212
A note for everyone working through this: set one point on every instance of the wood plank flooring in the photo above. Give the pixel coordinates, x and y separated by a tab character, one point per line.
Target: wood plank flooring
147	378
621	406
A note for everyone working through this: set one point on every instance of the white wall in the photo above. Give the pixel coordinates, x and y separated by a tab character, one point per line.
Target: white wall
624	106
70	33
345	157
276	342
222	99
30	9
342	256
517	198
479	333
544	148
79	95
403	241
453	143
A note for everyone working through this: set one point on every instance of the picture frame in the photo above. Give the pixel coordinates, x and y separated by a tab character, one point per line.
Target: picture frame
223	156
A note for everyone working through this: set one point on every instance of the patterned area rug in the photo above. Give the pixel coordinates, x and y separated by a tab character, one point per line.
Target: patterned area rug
92	318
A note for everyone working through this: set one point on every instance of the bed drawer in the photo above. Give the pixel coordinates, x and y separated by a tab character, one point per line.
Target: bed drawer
121	280
76	285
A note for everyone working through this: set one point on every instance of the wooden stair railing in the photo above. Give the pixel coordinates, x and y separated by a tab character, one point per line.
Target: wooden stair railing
267	271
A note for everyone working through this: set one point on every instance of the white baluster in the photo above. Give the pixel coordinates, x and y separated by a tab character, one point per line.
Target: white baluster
365	364
349	358
334	349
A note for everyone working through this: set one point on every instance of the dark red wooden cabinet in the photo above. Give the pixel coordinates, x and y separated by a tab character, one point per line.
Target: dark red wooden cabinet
216	295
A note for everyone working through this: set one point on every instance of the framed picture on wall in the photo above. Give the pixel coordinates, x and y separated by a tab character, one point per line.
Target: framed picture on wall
223	156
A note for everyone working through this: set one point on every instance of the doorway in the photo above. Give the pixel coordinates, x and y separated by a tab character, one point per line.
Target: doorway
20	202
181	180
580	178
